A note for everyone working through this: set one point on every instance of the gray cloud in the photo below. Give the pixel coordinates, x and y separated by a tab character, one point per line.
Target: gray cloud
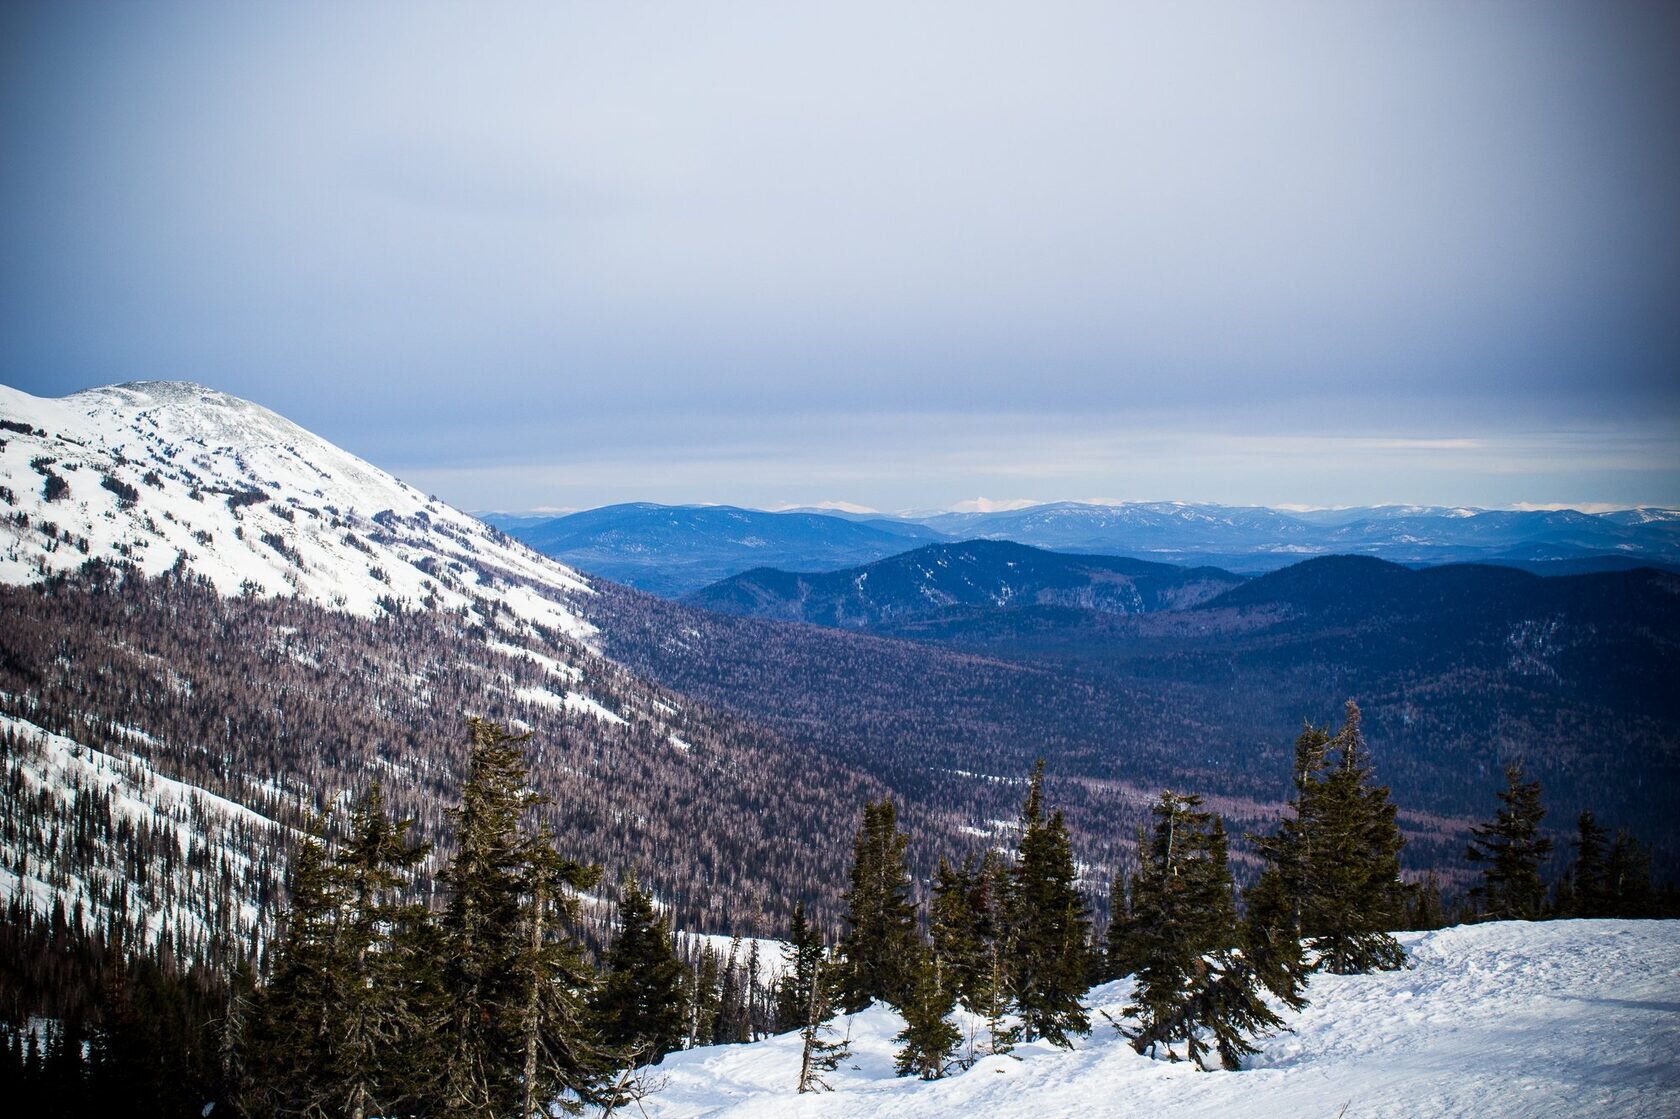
452	238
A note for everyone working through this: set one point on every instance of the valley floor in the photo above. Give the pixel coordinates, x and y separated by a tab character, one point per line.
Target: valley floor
1564	1018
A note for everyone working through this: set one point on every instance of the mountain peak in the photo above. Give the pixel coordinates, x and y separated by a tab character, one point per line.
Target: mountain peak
166	474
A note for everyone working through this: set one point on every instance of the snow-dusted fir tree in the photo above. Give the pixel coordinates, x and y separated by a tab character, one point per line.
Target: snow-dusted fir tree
880	939
1048	955
1332	872
641	1007
1513	848
1193	986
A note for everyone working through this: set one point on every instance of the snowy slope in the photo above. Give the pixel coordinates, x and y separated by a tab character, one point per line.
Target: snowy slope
115	799
158	473
1564	1019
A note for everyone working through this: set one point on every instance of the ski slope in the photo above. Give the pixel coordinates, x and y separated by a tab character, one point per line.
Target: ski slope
1565	1019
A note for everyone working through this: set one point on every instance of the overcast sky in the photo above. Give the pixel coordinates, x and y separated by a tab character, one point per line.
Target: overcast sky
898	255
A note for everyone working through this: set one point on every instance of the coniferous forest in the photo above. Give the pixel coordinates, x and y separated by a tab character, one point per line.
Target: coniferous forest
510	984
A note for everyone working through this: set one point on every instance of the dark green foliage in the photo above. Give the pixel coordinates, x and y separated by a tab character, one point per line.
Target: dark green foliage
1424	908
1193	986
1332	876
1354	886
708	999
807	1001
1512	849
55	488
881	936
514	983
110	1032
1048	954
1120	942
640	1007
127	495
343	1024
928	1039
291	1032
1627	874
964	919
377	1010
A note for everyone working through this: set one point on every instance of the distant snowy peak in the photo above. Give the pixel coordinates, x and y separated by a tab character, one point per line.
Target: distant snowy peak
167	473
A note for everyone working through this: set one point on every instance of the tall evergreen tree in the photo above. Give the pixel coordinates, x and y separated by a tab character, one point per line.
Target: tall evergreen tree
1120	947
708	997
1332	876
516	983
374	1025
1357	894
1585	891
957	924
1512	848
1049	958
1627	873
1193	986
881	935
928	1039
640	1006
290	1049
808	1001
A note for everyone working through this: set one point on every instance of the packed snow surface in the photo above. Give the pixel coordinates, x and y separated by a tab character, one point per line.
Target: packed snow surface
1564	1018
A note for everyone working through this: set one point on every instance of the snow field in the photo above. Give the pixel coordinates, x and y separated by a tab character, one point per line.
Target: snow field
1555	1019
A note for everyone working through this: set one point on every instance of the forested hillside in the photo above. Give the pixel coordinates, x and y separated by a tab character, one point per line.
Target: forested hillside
290	709
1460	670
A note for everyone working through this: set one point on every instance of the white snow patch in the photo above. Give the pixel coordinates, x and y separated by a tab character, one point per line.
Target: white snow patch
1564	1019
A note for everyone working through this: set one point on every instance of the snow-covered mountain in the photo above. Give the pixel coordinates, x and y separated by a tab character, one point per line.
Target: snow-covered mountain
160	473
275	624
1559	1018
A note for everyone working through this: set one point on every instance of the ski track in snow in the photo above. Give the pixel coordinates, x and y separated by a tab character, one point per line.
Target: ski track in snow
1555	1019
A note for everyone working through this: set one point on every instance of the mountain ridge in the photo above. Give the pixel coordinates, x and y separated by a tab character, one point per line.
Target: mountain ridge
941	578
644	548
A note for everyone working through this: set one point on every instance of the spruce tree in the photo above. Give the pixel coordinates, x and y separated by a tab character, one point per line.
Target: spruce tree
290	1051
517	1034
808	989
374	1024
1120	948
640	1007
928	1039
1513	849
1627	872
958	925
1049	959
1193	986
708	997
1356	892
1332	876
881	920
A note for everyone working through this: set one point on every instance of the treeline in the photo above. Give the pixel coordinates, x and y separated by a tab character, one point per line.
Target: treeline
498	992
93	1026
1456	682
1010	939
1607	876
280	706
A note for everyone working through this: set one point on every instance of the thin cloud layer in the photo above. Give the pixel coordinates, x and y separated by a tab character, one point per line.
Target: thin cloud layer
873	246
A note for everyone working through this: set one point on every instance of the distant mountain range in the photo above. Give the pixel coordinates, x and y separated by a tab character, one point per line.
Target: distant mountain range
674	550
939	580
1460	669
